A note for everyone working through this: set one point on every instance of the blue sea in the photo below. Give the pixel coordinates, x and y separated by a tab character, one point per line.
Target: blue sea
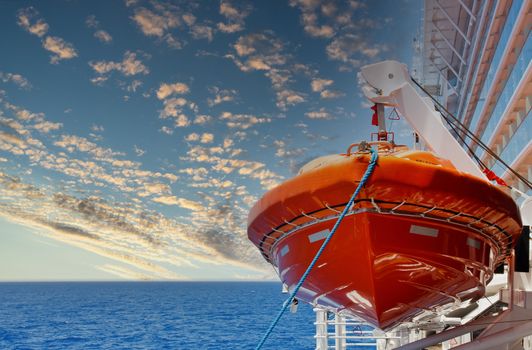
149	315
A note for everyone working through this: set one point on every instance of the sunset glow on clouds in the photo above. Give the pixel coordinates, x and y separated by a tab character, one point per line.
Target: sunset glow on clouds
142	132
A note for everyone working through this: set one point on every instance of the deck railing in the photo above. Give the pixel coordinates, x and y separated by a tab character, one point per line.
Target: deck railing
339	332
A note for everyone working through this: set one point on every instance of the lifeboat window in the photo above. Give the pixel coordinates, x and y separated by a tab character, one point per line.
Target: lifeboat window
318	236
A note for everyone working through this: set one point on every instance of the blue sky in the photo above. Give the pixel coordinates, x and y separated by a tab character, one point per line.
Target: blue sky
136	135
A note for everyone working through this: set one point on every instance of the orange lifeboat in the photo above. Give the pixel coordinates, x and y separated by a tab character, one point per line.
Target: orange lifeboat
419	235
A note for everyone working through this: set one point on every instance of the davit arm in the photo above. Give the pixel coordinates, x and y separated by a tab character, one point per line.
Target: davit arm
391	85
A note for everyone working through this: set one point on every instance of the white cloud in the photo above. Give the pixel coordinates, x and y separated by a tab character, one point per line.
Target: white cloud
320	84
309	17
129	66
139	151
329	9
103	36
46	126
309	23
135	84
202	119
92	22
321	114
164	19
283	151
329	94
235	14
230	28
181	202
335	20
166	90
264	52
99	80
128	229
173	107
229	10
172	42
130	3
207	138
74	143
192	137
16	79
220	96
156	24
279	78
203	138
29	19
97	128
371	52
61	49
118	232
202	32
166	130
154	189
356	4
351	48
13	140
182	121
189	19
257	63
287	98
242	121
343	47
99	34
258	43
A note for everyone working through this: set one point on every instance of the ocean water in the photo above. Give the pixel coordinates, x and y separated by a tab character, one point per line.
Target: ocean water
150	315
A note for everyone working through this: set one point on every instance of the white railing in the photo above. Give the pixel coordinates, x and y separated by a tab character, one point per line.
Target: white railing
339	332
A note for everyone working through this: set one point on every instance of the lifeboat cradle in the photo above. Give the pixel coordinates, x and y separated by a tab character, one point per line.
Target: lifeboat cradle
471	317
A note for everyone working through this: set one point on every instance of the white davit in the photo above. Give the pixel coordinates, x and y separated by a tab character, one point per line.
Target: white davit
390	84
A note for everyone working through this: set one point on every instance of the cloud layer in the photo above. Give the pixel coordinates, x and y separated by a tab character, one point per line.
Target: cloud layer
29	19
154	131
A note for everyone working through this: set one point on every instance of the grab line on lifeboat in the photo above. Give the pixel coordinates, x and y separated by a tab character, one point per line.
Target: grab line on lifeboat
473	224
332	209
502	242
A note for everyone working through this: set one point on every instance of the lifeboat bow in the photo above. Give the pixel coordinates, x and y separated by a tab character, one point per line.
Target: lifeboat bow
420	233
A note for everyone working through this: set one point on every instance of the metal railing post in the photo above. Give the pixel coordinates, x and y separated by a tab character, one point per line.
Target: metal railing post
322	342
339	332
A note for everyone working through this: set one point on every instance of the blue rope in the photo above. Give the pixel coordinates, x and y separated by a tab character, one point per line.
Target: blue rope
365	177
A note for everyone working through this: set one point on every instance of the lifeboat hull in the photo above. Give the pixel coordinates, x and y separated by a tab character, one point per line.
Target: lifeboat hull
386	268
419	235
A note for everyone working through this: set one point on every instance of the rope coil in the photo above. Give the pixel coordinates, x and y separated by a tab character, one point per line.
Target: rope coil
369	170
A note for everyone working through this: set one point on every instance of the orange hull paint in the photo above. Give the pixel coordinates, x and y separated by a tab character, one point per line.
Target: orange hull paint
420	235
